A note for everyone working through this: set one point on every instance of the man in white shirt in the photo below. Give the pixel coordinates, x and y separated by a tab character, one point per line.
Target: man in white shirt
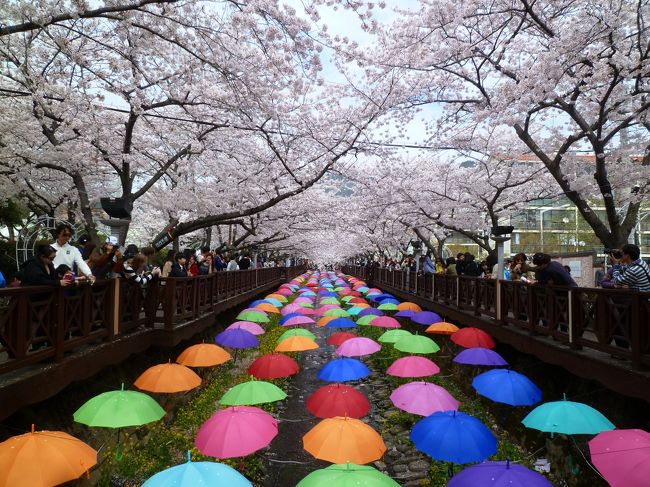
67	254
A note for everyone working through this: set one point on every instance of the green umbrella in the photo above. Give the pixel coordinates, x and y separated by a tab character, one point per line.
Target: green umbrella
254	316
329	301
568	417
252	392
416	344
388	307
366	320
347	475
392	336
338	312
119	409
345	299
296	332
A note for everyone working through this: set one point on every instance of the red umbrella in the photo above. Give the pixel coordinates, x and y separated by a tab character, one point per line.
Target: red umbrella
472	338
273	366
339	337
338	400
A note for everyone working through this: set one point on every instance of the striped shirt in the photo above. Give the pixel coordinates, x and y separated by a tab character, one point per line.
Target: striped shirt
635	276
143	277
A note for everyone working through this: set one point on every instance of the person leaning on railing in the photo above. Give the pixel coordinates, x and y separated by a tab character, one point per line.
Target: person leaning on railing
40	271
630	271
135	270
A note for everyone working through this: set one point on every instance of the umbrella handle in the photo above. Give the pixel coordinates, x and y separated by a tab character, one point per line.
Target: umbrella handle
450	470
119	455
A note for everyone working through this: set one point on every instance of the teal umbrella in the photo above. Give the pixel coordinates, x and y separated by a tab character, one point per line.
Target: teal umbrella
192	474
568	417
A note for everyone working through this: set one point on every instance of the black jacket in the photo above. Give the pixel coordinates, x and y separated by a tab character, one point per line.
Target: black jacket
33	274
177	271
244	263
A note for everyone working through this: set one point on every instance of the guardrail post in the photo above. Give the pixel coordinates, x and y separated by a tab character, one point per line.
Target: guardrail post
498	300
59	333
635	332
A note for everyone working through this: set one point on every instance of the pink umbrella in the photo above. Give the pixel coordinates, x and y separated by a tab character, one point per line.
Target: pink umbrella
298	320
357	347
284	291
292	308
236	432
423	398
413	366
303	299
385	322
322	309
254	328
622	456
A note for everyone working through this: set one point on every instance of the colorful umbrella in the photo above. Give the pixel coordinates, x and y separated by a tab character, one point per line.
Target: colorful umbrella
236	432
44	459
273	366
252	392
338	400
254	315
338	312
472	337
347	475
358	347
254	328
119	409
426	318
407	313
340	440
168	378
299	320
508	387
423	398
452	436
568	417
408	306
268	308
280	296
413	366
416	344
480	356
237	338
339	337
296	332
296	344
341	323
366	320
387	306
342	370
385	322
191	474
371	312
391	336
442	328
622	456
498	474
203	355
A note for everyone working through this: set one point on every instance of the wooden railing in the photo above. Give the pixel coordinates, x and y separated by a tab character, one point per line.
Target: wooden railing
43	324
613	321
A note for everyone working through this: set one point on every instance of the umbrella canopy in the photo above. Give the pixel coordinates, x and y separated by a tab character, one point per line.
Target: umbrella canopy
236	432
622	456
366	320
338	312
288	316
426	318
341	323
387	306
203	355
358	347
273	366
338	400
408	306
168	378
267	308
325	320
237	338
347	475
442	328
423	398
385	322
339	337
407	313
280	295
254	315
480	356
371	312
252	392
296	332
191	474
343	369
472	337
392	336
299	320
254	328
498	474
416	344
413	366
568	417
119	409
340	440
452	436
508	387
296	344
43	459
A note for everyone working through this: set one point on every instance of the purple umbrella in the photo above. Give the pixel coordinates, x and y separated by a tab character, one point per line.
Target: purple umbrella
407	313
371	311
237	338
423	398
357	347
480	356
426	318
498	474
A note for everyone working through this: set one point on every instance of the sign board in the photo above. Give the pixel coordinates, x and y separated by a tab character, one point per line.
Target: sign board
576	268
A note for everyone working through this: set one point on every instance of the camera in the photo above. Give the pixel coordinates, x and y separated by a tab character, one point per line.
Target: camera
616	253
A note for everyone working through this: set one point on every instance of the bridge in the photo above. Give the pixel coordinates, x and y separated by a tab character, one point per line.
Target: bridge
599	334
52	337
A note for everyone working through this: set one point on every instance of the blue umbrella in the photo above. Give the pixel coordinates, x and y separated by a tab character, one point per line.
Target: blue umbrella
379	297
256	302
453	436
407	313
371	311
426	318
191	474
341	323
343	369
507	386
498	474
388	300
237	338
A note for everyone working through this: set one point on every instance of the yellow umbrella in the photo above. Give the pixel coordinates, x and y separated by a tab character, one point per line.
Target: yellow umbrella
203	355
43	459
296	344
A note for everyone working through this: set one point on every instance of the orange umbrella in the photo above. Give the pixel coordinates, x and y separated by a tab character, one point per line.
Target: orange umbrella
268	307
296	344
168	378
342	440
279	297
442	328
203	355
408	306
325	320
43	458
